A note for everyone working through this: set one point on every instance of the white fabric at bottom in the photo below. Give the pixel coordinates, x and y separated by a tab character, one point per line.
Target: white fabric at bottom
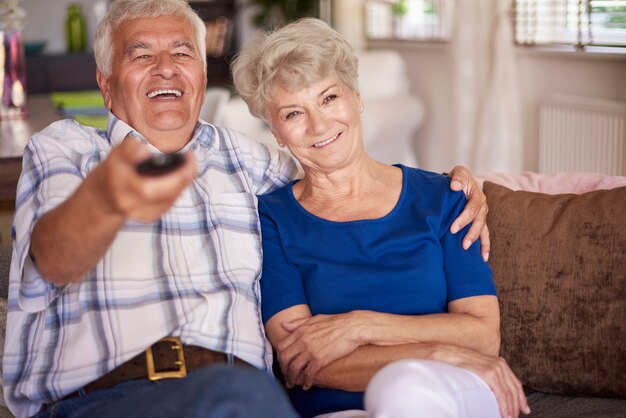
426	388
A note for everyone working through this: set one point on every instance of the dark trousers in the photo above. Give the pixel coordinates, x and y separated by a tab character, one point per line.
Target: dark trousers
218	391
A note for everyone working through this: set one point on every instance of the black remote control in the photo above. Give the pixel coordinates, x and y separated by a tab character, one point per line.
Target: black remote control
159	164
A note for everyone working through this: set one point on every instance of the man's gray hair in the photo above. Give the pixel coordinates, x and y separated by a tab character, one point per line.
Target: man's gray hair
122	10
292	57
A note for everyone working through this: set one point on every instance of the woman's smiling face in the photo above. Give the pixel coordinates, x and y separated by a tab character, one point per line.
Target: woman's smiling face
320	124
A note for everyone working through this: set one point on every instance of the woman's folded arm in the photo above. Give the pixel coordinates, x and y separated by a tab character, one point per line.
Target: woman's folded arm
306	343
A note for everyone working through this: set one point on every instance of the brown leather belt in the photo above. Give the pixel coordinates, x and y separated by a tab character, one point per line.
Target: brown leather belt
168	358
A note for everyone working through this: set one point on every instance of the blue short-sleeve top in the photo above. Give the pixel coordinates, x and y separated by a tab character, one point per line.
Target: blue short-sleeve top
406	262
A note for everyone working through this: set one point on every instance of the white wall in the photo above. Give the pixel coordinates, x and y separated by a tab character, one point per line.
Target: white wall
347	19
45	20
540	73
578	74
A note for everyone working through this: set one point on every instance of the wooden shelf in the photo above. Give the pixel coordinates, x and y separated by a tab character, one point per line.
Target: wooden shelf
62	72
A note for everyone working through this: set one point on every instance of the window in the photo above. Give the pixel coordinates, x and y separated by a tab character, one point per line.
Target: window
573	22
537	22
422	20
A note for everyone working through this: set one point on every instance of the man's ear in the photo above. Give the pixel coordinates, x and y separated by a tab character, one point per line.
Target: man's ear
103	83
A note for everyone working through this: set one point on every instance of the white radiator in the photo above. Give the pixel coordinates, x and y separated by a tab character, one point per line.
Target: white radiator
582	134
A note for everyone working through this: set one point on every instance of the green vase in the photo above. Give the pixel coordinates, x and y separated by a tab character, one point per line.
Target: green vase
75	29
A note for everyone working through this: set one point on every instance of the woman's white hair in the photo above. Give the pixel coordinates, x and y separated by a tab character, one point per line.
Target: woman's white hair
122	10
292	57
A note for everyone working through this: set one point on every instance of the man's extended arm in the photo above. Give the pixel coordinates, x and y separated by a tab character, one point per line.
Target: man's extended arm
70	239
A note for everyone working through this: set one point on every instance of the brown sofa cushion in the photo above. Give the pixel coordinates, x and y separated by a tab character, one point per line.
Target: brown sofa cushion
559	263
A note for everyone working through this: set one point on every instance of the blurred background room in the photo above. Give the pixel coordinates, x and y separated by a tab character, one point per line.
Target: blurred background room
496	85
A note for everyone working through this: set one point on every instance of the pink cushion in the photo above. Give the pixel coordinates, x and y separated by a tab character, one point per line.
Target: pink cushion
566	182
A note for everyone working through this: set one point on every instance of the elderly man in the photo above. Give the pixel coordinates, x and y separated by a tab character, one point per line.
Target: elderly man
138	294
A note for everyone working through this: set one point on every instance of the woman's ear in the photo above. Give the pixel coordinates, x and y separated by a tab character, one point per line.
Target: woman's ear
273	131
359	101
278	141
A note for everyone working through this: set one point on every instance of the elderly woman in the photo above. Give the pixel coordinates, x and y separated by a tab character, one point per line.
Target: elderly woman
360	267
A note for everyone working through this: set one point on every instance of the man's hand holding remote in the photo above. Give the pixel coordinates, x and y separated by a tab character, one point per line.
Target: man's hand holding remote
142	186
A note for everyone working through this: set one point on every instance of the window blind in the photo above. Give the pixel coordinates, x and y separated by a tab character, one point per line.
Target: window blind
572	22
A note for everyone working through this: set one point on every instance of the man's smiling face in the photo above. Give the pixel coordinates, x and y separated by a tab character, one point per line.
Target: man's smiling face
158	81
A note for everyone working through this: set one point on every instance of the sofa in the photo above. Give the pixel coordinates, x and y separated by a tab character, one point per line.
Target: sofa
558	255
559	263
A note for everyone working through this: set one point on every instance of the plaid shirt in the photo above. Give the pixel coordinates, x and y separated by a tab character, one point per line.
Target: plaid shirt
194	273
